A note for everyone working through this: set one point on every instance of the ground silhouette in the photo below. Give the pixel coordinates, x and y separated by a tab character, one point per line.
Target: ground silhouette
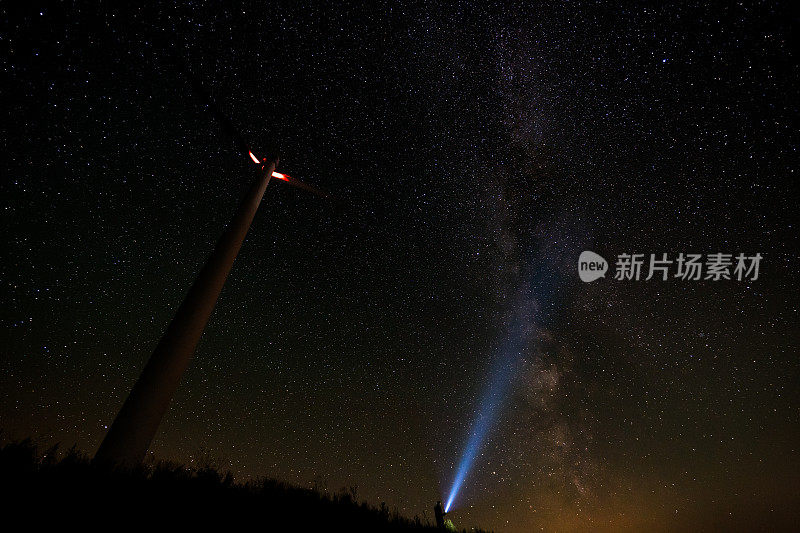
49	487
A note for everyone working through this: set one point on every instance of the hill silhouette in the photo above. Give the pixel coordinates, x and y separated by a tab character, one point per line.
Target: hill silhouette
63	488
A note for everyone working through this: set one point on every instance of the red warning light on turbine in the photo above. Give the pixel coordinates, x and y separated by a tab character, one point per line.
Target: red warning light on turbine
279	175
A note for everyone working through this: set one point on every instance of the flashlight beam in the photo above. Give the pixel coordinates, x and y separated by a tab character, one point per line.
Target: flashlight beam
489	408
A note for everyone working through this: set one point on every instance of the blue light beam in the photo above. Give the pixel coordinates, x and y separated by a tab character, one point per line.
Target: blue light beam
490	404
544	283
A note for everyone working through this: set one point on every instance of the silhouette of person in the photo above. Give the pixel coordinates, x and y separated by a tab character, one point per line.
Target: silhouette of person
438	510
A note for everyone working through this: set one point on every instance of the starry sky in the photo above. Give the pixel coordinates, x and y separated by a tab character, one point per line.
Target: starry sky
473	151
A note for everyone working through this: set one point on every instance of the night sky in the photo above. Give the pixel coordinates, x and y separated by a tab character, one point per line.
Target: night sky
472	153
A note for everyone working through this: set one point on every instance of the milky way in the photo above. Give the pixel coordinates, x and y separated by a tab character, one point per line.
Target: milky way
473	153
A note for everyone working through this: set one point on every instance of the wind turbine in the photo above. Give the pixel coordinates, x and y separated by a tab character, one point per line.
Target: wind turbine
135	425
